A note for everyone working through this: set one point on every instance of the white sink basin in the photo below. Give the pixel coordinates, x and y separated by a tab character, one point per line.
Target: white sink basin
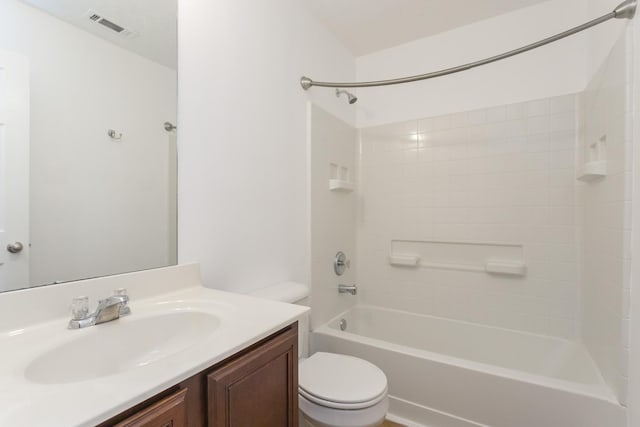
121	345
54	377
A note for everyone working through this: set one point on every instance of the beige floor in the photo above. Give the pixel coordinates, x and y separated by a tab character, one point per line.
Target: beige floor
391	424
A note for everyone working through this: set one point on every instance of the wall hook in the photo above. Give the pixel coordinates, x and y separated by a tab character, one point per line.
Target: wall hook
117	136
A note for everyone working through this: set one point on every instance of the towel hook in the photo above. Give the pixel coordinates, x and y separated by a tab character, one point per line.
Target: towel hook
116	136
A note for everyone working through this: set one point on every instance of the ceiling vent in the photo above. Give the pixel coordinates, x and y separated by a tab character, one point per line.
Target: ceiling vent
110	25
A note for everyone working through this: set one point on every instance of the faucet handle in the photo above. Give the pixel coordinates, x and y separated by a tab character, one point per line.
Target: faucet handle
79	307
124	308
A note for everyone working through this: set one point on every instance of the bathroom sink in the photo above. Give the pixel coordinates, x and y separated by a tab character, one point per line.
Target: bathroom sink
120	346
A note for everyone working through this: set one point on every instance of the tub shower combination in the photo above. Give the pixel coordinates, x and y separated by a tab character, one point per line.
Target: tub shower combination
451	373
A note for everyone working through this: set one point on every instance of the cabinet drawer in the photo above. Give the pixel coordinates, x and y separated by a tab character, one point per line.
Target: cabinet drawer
168	412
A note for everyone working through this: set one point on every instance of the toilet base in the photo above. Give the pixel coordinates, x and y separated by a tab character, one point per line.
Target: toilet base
313	415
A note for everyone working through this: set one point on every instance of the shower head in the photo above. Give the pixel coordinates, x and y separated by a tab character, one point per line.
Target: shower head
351	97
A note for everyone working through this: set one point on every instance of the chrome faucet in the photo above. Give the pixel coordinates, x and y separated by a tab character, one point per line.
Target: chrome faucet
348	289
108	309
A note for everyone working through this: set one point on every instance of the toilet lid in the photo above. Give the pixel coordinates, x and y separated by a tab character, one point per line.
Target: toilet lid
340	381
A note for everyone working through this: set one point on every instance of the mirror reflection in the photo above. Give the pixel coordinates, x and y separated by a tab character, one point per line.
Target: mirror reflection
87	139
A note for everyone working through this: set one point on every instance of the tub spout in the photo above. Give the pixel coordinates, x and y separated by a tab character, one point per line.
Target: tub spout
348	289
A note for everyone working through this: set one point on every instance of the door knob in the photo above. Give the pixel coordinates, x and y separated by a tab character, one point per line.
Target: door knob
16	247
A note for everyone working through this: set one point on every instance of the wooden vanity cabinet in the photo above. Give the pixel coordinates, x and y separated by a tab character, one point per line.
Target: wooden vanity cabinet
168	412
257	387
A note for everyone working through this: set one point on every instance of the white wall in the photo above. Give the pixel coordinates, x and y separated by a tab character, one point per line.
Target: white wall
97	207
333	213
600	39
499	175
243	196
553	70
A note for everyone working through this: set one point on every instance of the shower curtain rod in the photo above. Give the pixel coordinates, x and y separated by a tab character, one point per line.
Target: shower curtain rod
624	10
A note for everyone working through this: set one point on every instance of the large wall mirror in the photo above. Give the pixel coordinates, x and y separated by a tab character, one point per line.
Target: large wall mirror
87	139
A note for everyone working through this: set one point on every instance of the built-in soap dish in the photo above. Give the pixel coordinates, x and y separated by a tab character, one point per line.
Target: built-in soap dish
404	260
592	171
341	185
509	267
595	167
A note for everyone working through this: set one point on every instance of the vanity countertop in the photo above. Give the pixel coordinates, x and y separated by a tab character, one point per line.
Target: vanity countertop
33	395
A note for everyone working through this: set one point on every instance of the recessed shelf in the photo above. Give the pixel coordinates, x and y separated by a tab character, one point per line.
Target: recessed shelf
481	257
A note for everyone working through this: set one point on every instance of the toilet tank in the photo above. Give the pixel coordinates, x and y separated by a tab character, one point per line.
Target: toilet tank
292	293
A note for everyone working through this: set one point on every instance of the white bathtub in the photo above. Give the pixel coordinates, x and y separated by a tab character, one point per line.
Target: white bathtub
445	373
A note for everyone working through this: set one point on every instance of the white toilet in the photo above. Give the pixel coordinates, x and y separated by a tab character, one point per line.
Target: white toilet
334	390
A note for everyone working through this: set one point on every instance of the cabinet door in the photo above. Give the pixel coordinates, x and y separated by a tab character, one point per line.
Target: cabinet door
169	412
258	389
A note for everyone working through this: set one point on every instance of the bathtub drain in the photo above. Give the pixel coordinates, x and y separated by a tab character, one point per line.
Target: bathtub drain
343	324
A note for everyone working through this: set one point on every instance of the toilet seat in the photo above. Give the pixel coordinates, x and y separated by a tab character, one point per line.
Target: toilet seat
341	382
339	405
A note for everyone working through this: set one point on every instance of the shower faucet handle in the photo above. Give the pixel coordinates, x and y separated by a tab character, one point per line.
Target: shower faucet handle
340	263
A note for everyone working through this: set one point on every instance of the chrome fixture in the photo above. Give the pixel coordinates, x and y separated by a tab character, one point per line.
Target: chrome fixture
168	126
351	97
108	309
340	263
117	136
347	289
343	324
15	247
124	309
625	10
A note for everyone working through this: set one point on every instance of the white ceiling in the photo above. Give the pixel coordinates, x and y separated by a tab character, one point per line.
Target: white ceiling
154	21
366	26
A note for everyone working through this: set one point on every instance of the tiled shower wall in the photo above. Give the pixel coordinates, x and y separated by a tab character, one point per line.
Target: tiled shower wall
607	218
504	175
333	213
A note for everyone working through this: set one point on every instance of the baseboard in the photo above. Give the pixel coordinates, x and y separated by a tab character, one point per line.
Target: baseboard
413	415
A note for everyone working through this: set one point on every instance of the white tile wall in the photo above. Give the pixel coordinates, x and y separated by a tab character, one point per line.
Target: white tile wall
507	174
607	220
333	214
502	174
